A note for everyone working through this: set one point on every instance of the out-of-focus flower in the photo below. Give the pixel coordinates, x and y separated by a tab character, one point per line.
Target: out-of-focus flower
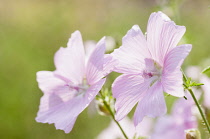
193	72
110	44
151	66
206	88
74	84
173	126
113	131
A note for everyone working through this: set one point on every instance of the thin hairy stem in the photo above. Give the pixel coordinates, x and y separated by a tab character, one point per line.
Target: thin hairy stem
196	102
200	110
112	115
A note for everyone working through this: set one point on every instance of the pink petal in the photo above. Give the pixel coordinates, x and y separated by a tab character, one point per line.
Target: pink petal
182	113
128	90
93	90
132	53
175	57
94	71
89	48
173	126
145	127
55	109
70	61
172	76
48	82
152	105
164	124
162	35
165	128
109	64
173	84
182	107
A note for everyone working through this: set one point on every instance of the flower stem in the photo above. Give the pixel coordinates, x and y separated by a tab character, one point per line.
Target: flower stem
196	102
112	115
200	110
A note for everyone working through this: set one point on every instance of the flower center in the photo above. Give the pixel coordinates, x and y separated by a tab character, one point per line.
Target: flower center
80	89
152	69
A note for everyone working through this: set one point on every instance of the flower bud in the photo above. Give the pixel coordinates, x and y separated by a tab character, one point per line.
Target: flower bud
192	134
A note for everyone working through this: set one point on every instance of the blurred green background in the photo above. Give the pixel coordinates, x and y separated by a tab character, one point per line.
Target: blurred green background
31	31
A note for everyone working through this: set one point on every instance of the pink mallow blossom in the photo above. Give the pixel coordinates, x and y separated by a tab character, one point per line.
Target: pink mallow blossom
150	65
78	78
173	126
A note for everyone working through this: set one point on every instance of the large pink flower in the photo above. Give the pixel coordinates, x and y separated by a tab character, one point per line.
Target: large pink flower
151	66
73	85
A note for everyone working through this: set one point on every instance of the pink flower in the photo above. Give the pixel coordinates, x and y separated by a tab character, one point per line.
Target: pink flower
73	85
151	66
193	72
173	126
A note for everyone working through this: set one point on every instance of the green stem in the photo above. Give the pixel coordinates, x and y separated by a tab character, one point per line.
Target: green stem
112	115
196	102
200	110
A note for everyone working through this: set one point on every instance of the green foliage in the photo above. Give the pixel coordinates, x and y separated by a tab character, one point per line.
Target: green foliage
189	83
207	69
104	96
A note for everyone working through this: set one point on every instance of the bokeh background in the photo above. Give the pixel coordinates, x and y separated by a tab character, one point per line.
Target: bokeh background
31	31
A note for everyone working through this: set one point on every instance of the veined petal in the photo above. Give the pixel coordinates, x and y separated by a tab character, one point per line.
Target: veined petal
152	105
93	91
89	48
175	57
172	83
172	76
48	82
94	70
63	113
132	53
68	127
53	109
128	90
70	61
162	35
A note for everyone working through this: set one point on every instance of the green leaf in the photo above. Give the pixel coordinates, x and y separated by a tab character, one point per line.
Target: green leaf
190	83
196	84
187	82
206	69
